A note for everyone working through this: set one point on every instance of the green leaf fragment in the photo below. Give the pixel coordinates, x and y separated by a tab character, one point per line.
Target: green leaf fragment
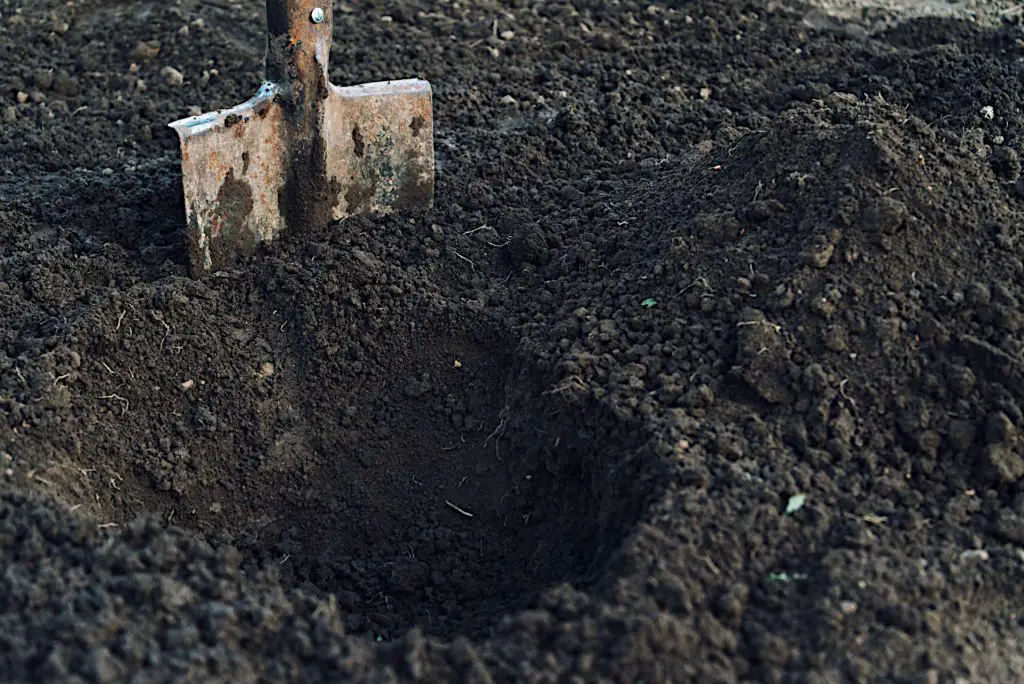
649	302
796	502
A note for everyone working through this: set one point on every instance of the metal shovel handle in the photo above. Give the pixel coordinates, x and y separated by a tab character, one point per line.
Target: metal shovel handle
299	36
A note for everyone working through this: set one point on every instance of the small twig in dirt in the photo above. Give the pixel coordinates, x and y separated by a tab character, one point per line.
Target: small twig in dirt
758	189
844	395
574	381
61	377
506	243
120	318
285	559
108	368
115	397
463	481
470	232
471	264
457	509
17	371
167	331
498	431
105	526
702	281
775	326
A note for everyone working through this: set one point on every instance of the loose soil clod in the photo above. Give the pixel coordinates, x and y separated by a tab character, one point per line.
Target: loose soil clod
802	463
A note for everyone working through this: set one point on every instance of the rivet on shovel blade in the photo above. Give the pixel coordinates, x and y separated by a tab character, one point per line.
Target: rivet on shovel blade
317	15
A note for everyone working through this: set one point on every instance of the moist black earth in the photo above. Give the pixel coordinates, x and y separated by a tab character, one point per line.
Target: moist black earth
707	364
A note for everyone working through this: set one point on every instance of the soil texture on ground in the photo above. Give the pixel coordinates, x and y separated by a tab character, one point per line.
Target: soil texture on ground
706	366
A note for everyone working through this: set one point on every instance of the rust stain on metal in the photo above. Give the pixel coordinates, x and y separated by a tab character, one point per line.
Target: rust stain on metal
302	152
389	165
229	238
358	144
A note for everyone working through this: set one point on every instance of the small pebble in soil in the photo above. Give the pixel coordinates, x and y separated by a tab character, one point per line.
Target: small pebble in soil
43	78
1002	464
977	295
1006	163
65	84
146	50
999	429
818	255
884	214
835	338
172	76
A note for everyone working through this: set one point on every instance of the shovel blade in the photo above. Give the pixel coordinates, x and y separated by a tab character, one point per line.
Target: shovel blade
380	147
245	174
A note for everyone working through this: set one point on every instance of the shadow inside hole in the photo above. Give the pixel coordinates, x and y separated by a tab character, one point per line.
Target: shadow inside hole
445	495
415	468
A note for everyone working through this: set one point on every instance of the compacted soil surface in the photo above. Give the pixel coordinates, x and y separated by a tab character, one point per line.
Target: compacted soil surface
706	366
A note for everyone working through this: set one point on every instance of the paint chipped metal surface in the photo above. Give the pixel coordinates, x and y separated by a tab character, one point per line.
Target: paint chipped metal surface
301	151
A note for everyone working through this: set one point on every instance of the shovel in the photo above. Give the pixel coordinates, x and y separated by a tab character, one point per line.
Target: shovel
301	152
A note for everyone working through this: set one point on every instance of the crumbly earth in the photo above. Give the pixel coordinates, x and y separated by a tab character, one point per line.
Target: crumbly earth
708	364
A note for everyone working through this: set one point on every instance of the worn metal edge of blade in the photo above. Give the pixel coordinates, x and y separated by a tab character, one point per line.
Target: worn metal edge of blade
201	123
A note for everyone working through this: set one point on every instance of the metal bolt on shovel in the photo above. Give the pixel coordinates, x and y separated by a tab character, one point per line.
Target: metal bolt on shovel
301	152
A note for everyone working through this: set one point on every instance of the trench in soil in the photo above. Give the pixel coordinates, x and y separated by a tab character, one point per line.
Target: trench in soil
430	479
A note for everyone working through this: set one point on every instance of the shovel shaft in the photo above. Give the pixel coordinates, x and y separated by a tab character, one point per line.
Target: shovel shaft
299	45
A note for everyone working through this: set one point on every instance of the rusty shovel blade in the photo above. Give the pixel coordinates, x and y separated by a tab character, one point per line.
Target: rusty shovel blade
301	152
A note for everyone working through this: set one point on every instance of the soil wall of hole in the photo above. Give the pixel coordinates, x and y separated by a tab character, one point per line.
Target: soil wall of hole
415	467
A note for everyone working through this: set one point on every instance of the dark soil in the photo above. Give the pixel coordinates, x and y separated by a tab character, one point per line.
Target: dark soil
707	366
